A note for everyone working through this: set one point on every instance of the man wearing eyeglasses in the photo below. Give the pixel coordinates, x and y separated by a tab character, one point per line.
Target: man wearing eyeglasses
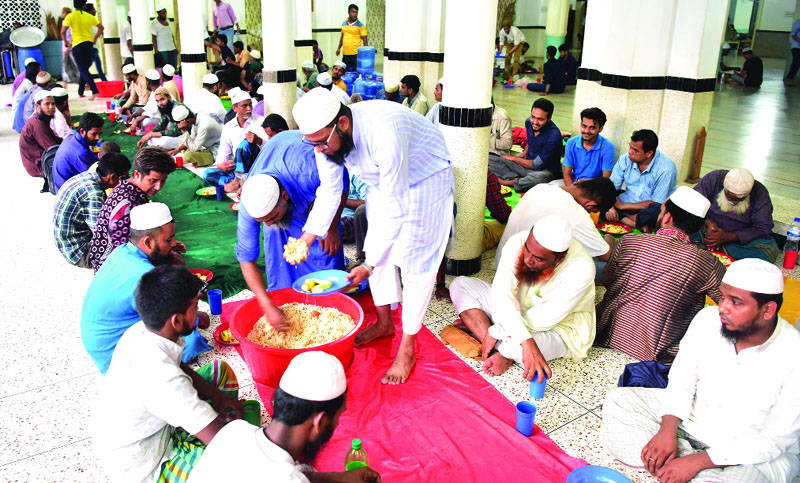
109	308
403	160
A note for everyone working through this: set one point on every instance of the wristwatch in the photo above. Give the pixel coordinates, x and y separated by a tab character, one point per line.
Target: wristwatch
368	268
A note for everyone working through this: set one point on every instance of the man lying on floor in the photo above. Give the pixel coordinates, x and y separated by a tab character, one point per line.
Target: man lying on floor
540	305
731	411
152	420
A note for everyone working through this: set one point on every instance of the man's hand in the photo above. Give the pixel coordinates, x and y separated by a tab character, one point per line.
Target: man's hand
308	238
681	470
338	51
533	361
143	142
612	215
276	318
331	243
364	474
226	404
660	450
180	246
442	293
204	321
356	276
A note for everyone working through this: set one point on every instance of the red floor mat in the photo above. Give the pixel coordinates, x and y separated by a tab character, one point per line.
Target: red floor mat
446	423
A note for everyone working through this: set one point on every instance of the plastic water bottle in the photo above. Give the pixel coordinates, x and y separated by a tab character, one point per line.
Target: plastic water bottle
356	457
792	245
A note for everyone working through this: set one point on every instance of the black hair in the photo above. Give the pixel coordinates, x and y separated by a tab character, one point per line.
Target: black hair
595	114
314	42
682	219
153	158
764	298
109	147
113	163
223	38
544	105
411	81
292	411
32	70
239	44
648	139
601	190
563	48
163	292
551	51
275	122
155	83
90	120
79	4
524	44
352	6
88	7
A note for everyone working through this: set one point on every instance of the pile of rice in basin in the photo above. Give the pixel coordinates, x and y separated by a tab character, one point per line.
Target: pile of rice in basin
309	326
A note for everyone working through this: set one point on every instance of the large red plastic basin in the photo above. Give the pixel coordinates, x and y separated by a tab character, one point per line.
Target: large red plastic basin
267	364
109	88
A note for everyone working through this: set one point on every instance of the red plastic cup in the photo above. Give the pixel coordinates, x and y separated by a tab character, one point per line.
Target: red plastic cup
179	161
538	80
112	116
108	104
789	260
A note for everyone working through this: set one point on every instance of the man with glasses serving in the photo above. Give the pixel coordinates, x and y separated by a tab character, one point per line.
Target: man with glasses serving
409	203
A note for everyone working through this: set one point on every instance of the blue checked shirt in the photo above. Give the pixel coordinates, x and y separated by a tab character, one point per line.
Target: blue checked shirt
655	183
75	214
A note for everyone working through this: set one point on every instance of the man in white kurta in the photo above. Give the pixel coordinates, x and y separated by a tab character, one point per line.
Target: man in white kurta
532	322
233	133
403	160
206	100
201	134
731	411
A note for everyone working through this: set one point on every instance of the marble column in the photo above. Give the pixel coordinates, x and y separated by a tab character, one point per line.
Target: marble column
556	26
465	120
652	66
142	38
280	62
108	16
193	52
302	43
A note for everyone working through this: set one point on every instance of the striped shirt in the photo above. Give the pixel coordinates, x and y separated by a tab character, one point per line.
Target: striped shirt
114	221
655	285
77	206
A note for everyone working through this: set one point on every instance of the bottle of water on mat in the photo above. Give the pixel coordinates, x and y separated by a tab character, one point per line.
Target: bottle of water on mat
792	245
356	457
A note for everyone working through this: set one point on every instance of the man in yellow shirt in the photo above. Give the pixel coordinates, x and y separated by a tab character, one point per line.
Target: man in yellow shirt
540	305
337	71
414	99
81	22
354	34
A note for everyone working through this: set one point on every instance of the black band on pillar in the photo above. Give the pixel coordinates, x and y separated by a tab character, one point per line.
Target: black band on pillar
280	76
193	57
142	47
465	117
463	267
386	52
682	84
303	43
415	56
111	40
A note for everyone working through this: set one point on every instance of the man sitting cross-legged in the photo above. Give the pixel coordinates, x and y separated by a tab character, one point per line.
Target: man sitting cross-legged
731	409
152	420
540	305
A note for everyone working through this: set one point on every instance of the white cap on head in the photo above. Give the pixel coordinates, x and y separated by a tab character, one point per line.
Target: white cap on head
129	13
262	90
754	275
441	81
168	70
149	216
41	94
128	69
391	84
59	92
180	113
210	79
314	376
43	77
341	64
255	54
324	79
152	75
739	182
746	50
161	6
307	65
315	110
554	233
691	201
726	45
29	61
260	194
239	96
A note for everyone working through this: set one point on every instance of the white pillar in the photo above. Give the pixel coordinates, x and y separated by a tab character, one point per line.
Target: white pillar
302	43
556	27
193	51
465	119
142	38
280	62
108	17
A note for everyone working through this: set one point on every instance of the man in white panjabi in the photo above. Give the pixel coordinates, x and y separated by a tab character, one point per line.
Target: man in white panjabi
540	305
403	160
731	410
206	100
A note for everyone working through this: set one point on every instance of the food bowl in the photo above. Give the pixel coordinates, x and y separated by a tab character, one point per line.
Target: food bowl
267	364
208	274
109	88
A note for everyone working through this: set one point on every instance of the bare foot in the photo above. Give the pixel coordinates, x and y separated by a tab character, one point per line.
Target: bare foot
91	98
459	324
496	364
401	367
378	330
487	345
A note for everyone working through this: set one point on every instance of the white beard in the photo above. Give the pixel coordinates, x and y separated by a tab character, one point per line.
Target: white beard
726	206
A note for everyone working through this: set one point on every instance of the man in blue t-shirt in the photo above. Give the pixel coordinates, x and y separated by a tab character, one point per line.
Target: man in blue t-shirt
555	78
589	155
569	63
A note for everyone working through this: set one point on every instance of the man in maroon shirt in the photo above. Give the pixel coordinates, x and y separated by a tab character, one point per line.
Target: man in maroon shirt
37	136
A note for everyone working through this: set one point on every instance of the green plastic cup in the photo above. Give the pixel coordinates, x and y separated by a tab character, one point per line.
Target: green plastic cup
252	412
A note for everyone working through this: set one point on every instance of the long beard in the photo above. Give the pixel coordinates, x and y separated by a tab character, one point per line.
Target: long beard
345	148
529	277
157	259
312	448
285	222
726	206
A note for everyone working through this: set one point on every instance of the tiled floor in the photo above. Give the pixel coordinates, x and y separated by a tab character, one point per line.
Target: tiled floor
48	383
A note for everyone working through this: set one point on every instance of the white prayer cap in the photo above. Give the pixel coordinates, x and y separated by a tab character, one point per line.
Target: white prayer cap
316	109
554	233
239	96
43	77
691	201
210	79
746	50
180	113
391	84
341	64
161	6
754	275
324	79
262	90
149	216
260	194
307	65
255	54
29	61
168	70
129	13
128	69
59	92
152	75
314	376
441	81
41	94
739	182
726	45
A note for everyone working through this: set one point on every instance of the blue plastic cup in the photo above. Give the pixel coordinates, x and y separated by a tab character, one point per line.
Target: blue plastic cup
220	193
526	412
215	301
537	388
